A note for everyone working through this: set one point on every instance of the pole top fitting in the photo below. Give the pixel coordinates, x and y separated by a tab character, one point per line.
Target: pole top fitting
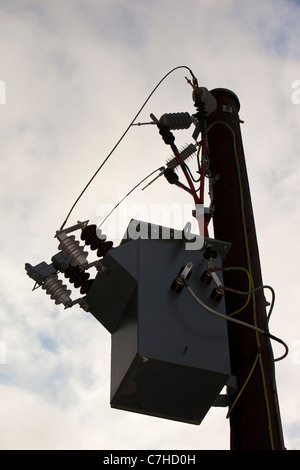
216	91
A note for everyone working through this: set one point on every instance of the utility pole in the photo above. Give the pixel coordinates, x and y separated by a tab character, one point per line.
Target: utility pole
254	415
179	375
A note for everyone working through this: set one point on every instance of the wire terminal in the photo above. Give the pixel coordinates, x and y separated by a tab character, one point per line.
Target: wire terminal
184	273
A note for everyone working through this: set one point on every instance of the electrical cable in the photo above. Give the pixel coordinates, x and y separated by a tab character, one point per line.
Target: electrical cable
254	290
122	137
182	186
185	153
172	163
242	210
198	160
201	223
249	286
223	123
129	192
243	386
249	292
186	174
221	315
178	121
190	172
202	172
235	320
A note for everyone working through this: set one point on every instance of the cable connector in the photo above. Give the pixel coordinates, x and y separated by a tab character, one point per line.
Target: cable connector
184	273
210	274
217	293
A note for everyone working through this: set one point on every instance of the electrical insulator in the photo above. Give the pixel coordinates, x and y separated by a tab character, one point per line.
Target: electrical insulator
217	294
176	120
104	248
166	134
171	176
90	236
206	277
185	153
177	285
79	278
210	253
173	163
96	240
72	250
204	95
57	290
184	273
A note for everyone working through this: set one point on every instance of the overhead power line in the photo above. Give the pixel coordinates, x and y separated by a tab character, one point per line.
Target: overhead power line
122	137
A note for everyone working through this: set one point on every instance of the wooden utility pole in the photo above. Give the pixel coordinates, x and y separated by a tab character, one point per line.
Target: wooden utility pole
254	415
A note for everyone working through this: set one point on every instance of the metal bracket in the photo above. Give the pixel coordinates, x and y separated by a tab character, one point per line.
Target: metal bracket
227	108
81	302
222	400
71	229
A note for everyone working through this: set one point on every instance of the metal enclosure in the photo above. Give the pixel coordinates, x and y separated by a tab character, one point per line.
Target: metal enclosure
169	356
112	288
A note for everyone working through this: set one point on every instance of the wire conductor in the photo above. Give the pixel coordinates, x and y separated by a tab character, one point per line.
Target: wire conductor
235	320
123	135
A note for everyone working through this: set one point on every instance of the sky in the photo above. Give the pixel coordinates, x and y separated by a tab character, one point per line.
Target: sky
73	76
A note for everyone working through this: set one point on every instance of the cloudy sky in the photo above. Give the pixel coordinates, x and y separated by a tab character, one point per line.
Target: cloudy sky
75	75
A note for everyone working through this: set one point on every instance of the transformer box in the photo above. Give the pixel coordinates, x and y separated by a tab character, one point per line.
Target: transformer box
169	356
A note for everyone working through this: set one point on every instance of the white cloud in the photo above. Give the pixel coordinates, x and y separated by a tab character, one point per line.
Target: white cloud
75	75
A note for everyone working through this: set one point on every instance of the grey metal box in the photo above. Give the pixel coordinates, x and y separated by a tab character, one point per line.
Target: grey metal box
112	288
169	357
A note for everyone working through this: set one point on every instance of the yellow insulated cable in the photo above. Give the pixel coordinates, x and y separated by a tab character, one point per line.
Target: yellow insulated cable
223	123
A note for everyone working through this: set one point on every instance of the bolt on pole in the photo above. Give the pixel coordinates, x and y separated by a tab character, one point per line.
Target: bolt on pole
254	415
